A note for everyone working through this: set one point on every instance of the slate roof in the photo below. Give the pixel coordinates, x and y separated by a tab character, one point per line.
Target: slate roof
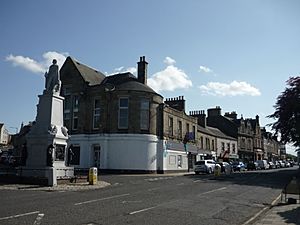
214	132
219	133
121	81
90	75
127	82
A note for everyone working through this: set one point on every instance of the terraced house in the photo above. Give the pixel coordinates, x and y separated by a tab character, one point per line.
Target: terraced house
212	143
118	123
240	129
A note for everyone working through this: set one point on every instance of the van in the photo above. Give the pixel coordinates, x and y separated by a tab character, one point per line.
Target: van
263	164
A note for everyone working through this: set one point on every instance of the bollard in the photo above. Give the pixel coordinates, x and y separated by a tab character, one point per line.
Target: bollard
93	173
217	170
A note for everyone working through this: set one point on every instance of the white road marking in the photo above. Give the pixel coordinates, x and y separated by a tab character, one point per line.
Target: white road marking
123	202
195	181
19	215
219	189
142	210
158	178
101	199
153	189
180	184
38	219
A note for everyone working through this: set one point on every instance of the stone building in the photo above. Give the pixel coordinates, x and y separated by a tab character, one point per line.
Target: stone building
257	138
212	143
118	123
270	145
239	129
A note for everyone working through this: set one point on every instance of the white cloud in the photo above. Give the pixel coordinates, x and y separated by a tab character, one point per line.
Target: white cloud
26	63
169	61
132	70
121	69
205	69
35	66
169	79
233	89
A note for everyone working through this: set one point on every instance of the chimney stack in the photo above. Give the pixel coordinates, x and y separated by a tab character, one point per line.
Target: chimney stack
214	111
200	115
142	70
176	103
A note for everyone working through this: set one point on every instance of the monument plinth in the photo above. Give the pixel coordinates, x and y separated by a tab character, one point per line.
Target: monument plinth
47	139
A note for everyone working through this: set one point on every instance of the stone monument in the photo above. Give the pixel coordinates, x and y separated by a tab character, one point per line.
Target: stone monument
47	139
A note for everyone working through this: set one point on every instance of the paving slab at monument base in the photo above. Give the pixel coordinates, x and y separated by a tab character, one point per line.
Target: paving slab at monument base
60	187
51	174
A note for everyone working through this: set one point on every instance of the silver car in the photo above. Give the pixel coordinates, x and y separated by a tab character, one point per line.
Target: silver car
205	166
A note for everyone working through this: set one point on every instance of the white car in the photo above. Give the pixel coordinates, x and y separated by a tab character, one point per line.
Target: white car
263	164
205	166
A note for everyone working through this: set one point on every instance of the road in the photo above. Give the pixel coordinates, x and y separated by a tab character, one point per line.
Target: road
150	199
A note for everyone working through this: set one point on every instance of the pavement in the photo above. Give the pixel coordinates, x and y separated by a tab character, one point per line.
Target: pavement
281	214
283	211
60	187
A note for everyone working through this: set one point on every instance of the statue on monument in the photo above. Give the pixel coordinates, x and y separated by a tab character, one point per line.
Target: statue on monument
49	157
53	82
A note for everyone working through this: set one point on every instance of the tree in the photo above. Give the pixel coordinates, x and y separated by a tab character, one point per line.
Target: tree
287	113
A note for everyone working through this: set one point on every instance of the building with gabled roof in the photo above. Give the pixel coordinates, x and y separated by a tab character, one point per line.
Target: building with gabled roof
119	123
240	129
212	143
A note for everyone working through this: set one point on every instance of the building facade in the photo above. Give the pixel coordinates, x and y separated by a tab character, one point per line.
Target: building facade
212	143
118	123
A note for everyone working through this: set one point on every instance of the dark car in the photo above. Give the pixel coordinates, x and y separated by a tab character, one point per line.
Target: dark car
238	166
252	166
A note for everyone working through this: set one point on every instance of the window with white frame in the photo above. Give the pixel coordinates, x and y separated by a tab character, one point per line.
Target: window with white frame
123	112
222	146
144	116
233	148
96	117
228	147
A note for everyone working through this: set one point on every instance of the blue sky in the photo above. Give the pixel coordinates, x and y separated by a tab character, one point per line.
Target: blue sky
232	54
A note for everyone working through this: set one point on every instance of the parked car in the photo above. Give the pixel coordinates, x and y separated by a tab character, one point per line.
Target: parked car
238	166
277	164
263	164
205	166
252	166
281	163
271	165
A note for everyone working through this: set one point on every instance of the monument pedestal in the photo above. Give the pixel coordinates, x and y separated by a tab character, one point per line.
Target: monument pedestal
47	142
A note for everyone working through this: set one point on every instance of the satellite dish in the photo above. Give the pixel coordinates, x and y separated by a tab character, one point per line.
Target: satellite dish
109	87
